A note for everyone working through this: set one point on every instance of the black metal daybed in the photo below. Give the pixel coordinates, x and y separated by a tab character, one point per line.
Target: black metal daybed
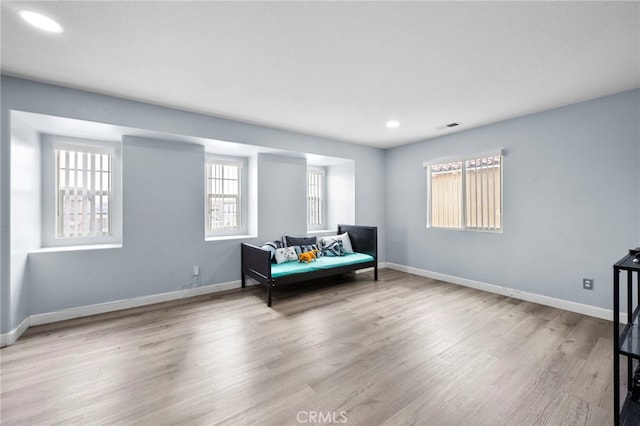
256	262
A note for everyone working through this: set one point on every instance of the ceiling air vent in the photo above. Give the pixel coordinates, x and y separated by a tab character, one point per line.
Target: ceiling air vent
448	126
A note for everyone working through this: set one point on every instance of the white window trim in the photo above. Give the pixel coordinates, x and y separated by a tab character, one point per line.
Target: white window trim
51	143
242	231
457	158
427	166
323	196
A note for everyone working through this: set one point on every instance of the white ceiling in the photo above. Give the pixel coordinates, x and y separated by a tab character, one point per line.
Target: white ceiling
336	69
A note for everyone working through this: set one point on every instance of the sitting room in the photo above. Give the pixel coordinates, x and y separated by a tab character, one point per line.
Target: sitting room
288	213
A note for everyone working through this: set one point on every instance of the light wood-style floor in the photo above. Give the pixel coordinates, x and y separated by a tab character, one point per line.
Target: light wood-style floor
401	351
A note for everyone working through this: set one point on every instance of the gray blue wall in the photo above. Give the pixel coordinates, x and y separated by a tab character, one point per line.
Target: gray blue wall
163	212
25	210
571	201
571	194
274	202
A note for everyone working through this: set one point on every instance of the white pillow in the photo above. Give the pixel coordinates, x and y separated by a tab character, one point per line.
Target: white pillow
346	241
286	254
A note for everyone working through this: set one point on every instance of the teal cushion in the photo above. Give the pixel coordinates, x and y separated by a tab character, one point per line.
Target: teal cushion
321	263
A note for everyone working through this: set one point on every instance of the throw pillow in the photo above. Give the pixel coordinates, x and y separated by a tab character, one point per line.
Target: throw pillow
303	249
272	246
290	240
346	242
331	247
286	254
311	247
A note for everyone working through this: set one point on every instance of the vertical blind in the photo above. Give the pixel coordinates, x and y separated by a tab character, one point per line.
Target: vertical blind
483	189
84	182
223	195
467	194
314	197
446	195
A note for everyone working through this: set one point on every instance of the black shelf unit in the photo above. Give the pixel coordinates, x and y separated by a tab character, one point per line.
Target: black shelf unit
626	337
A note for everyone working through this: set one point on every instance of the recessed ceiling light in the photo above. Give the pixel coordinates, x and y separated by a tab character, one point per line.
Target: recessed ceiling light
392	124
40	21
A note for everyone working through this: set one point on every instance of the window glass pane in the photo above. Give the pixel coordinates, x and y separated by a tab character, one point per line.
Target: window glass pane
230	187
105	181
314	198
484	193
230	172
83	208
89	176
223	196
446	192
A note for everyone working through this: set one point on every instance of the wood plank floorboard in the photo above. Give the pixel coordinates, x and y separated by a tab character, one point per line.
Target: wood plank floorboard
405	350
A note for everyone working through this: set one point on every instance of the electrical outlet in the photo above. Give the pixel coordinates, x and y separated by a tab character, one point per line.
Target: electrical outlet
196	270
587	283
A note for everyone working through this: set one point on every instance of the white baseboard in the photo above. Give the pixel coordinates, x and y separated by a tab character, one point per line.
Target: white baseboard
10	338
592	311
83	311
100	308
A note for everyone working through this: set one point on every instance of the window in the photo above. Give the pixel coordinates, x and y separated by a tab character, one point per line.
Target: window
81	192
466	194
316	206
224	196
84	192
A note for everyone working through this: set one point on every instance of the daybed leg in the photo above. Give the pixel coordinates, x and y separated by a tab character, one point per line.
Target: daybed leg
375	273
268	295
243	280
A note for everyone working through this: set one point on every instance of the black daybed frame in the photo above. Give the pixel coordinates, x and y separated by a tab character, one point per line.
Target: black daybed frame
256	262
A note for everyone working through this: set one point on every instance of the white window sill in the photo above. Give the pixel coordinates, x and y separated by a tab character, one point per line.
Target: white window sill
76	248
230	237
321	231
